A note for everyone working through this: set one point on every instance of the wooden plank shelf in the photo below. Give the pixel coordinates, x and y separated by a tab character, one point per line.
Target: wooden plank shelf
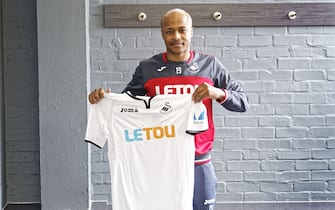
214	15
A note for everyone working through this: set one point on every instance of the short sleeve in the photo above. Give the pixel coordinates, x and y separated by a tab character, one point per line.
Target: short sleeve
197	119
96	130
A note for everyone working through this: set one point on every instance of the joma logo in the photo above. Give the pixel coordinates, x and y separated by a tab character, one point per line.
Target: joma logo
125	109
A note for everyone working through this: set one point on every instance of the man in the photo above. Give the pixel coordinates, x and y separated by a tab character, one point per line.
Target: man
182	71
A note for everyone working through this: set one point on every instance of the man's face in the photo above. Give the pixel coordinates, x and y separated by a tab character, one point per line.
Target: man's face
177	33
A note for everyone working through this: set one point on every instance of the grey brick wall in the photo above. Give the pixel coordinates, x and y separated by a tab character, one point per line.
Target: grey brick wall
21	101
282	148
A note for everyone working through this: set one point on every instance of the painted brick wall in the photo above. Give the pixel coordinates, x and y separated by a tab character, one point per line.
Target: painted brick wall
283	147
21	101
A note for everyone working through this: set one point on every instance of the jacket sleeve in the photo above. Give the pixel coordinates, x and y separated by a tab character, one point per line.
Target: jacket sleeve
236	99
136	85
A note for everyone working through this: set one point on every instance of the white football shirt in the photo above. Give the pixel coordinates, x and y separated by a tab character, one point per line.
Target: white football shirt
150	150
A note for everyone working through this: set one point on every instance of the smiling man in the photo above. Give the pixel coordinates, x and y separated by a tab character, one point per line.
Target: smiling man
181	70
177	32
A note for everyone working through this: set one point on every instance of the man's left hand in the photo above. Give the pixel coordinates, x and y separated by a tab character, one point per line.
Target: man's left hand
206	90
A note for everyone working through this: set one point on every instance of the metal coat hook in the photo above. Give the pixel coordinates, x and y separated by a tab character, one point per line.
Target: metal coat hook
217	15
292	15
142	16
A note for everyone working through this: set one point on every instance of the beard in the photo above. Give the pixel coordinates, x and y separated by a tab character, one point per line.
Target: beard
178	49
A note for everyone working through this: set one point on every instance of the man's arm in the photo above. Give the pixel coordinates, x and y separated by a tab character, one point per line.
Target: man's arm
225	90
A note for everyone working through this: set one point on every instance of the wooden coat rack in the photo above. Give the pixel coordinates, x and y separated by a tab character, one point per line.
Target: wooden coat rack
212	15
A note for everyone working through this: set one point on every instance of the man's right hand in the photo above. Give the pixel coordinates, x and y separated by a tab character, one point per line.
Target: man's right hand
96	95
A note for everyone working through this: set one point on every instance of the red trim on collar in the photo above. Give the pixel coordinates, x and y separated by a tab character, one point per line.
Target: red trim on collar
165	60
191	56
164	57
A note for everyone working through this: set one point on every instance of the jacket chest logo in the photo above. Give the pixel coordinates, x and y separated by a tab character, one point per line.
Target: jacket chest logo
194	68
